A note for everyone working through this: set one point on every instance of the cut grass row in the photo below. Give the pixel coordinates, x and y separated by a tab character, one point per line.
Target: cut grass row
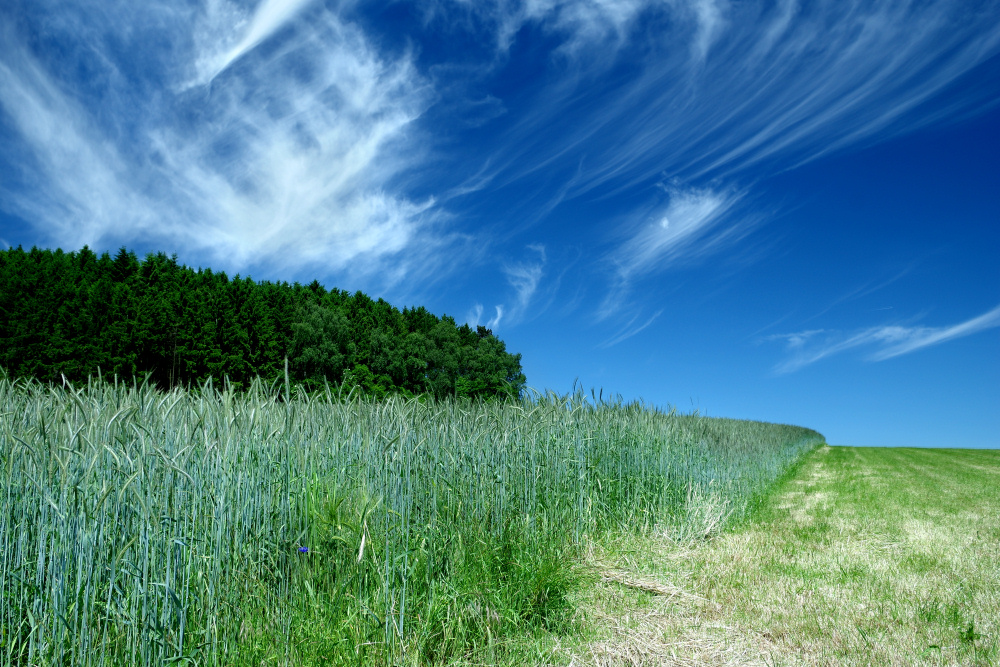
214	527
863	556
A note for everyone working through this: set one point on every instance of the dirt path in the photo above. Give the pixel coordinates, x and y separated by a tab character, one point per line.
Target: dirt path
865	557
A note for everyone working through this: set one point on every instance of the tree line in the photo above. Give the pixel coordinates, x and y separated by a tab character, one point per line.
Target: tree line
74	314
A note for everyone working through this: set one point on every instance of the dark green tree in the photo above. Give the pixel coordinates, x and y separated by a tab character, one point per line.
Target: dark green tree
76	314
321	346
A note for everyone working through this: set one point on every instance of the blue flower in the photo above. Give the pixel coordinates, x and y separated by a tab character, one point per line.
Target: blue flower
303	550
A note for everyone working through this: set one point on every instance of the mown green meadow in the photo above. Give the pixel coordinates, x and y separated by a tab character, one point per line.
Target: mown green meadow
858	556
216	527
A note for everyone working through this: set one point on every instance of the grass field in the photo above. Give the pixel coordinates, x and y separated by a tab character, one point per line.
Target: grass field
860	557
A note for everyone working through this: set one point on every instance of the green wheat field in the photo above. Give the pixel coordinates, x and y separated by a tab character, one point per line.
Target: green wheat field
260	527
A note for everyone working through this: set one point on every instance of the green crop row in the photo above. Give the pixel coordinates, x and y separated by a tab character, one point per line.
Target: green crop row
259	527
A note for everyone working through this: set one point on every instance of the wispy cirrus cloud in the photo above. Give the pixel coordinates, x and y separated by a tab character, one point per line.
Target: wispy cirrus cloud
79	177
692	225
863	290
269	17
287	133
797	340
586	22
775	83
883	342
524	278
717	95
903	340
670	232
286	159
581	23
474	317
632	327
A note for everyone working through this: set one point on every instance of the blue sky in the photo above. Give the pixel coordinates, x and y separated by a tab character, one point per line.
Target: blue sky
783	210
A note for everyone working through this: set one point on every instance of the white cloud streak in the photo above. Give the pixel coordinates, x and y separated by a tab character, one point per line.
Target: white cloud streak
725	86
795	341
673	231
256	136
80	177
524	277
286	161
692	225
270	16
905	340
475	317
311	158
715	93
582	23
889	341
630	329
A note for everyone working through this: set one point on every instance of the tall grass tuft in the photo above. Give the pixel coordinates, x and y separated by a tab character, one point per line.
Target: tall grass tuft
215	527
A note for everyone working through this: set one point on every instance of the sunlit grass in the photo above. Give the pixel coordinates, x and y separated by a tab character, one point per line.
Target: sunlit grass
863	557
219	528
